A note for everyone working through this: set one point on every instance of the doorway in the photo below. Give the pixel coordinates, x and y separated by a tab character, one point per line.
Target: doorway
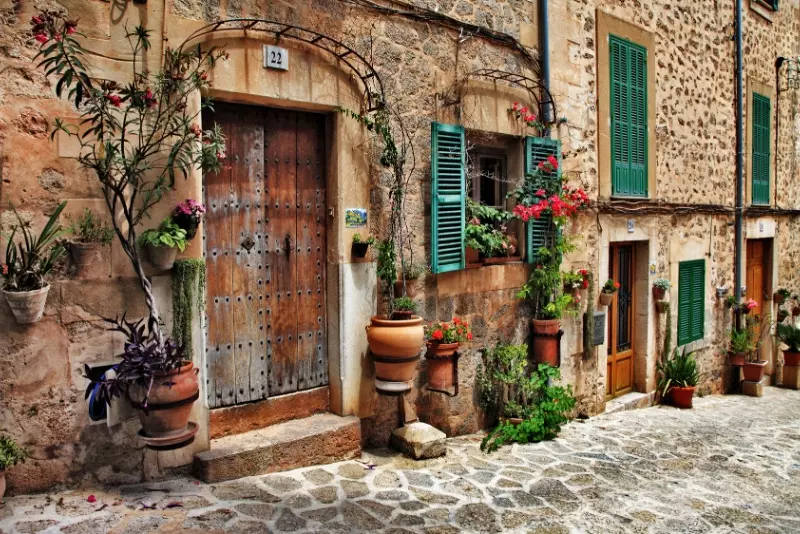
757	279
622	321
265	252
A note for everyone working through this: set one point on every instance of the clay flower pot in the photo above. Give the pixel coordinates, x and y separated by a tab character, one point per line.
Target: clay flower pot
441	362
659	293
27	306
84	254
795	311
778	299
473	258
606	298
754	371
545	341
2	484
502	259
162	258
169	404
360	249
736	359
395	347
791	359
512	420
682	397
187	223
412	287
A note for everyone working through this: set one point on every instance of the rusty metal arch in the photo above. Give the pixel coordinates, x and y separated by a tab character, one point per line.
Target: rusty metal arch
374	95
539	93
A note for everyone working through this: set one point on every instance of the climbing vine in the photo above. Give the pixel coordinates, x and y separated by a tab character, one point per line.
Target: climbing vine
188	294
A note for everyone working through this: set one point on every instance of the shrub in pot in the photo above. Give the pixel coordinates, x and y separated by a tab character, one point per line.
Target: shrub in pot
155	378
741	345
607	292
753	368
660	288
678	377
27	263
361	245
443	340
404	308
780	296
790	336
525	396
10	455
410	286
89	235
188	215
163	243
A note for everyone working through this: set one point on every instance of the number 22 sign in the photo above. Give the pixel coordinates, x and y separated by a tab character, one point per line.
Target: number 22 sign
276	57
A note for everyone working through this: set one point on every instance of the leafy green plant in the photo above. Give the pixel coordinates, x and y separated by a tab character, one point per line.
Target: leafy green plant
732	302
188	293
415	270
357	239
679	370
405	304
88	228
662	283
572	280
168	234
11	453
741	340
545	281
610	287
783	293
512	387
560	306
790	335
487	214
29	261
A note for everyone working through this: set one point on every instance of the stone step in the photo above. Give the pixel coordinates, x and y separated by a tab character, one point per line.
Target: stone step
319	439
630	401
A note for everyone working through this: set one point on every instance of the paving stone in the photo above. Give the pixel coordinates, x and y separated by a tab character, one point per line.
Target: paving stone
210	520
477	517
550	489
289	522
437	514
407	520
412	506
299	500
259	510
415	478
282	483
482	477
354	489
507	483
355	517
249	527
431	497
391	495
144	524
325	494
185	502
243	491
318	476
32	527
323	515
444	529
512	520
387	479
352	470
100	525
379	509
462	486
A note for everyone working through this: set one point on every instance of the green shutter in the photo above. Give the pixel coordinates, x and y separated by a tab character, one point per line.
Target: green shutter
691	300
761	149
448	197
628	118
539	232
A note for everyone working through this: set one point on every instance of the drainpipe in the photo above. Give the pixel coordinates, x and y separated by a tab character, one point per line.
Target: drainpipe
739	160
544	63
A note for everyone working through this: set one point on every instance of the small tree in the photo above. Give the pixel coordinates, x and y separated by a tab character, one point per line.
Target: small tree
134	137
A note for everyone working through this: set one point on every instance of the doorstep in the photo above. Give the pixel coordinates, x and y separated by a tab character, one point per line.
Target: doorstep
319	439
630	401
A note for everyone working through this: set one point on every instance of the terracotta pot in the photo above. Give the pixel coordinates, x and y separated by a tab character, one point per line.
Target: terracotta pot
395	347
27	306
791	359
169	404
411	288
754	371
84	254
512	420
502	259
606	298
441	361
188	224
162	258
736	359
473	257
659	293
778	298
360	249
681	397
2	484
545	341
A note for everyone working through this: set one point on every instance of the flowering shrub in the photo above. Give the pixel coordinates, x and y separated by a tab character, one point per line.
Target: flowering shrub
191	210
610	286
456	331
522	113
544	193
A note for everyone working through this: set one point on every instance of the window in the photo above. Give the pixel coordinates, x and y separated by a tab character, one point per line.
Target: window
761	149
447	197
489	177
691	300
628	118
769	4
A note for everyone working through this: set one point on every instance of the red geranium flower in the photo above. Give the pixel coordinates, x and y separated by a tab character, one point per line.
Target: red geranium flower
437	334
42	38
115	100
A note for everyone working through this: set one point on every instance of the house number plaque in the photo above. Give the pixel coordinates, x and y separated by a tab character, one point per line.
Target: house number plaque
276	57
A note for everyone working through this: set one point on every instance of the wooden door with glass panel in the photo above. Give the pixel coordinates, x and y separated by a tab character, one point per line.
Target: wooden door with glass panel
621	323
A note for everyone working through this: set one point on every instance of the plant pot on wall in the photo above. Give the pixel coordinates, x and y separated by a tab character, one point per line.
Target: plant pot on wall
791	359
473	258
165	419
682	397
782	315
441	366
659	293
162	258
502	259
395	347
754	371
27	306
84	254
606	298
360	249
736	359
546	341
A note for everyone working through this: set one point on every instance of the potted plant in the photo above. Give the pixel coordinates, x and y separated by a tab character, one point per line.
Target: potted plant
188	215
731	302
526	398
163	243
404	308
607	292
27	263
790	336
10	455
89	235
780	296
783	313
795	306
741	345
361	245
443	340
748	305
159	383
678	378
394	343
410	285
474	238
753	368
660	288
573	282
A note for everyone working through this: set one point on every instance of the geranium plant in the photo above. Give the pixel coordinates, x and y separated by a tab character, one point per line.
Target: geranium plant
749	305
662	283
455	331
611	286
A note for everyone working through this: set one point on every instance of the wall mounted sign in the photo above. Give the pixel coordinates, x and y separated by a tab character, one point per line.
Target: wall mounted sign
652	268
630	226
276	57
355	217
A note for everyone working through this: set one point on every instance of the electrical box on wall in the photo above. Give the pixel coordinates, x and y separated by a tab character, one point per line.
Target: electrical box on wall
599	334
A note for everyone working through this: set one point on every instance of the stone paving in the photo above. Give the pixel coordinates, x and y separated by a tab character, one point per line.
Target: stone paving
730	465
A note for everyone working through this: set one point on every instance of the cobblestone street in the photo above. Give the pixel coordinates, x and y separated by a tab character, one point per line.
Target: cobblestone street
730	465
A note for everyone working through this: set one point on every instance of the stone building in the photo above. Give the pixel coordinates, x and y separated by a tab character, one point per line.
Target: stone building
643	95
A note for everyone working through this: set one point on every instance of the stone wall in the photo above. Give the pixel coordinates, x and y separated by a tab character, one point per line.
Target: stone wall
41	388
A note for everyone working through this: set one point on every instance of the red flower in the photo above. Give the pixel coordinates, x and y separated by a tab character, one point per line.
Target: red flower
616	285
42	38
437	335
553	161
469	336
456	320
5	269
515	106
91	498
523	111
37	20
115	100
585	283
541	193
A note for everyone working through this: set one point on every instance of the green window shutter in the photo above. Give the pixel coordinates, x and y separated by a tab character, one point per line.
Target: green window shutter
628	118
761	149
448	197
540	232
691	301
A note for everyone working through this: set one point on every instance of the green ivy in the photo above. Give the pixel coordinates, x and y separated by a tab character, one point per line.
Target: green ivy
188	294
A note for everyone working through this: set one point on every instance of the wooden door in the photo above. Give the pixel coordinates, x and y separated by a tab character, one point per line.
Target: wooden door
757	278
621	323
265	256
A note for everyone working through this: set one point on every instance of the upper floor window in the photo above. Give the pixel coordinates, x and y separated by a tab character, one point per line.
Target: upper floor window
628	63
769	4
760	154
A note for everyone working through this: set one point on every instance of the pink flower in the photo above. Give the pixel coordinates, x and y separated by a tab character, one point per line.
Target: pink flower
36	20
115	100
541	193
523	111
91	498
515	106
42	38
553	161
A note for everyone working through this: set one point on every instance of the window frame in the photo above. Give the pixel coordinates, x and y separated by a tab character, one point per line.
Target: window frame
769	4
475	156
755	95
690	337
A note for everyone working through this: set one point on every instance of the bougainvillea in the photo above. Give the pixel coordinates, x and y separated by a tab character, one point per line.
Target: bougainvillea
542	192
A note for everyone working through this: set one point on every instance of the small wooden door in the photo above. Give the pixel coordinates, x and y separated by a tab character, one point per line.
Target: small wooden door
757	278
265	255
621	324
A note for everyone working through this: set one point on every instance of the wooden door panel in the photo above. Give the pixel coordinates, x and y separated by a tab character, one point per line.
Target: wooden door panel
312	358
246	152
621	323
280	135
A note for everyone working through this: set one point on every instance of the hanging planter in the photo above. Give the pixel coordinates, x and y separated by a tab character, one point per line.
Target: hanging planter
27	306
188	215
782	315
660	288
546	339
89	235
163	244
395	347
473	258
606	298
361	245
